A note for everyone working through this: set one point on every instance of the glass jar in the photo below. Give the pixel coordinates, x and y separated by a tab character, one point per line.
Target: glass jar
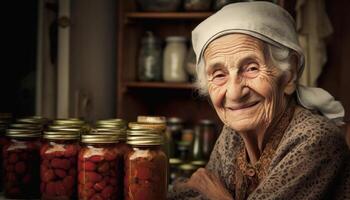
99	174
158	128
150	59
22	164
174	59
115	124
174	133
58	169
146	167
207	129
197	5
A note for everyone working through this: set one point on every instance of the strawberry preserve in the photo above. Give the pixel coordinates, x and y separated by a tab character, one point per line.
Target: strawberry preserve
58	169
145	166
100	174
21	164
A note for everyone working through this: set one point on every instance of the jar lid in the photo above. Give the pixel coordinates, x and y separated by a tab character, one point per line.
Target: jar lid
59	136
120	133
206	122
99	138
37	127
153	126
151	119
111	123
175	161
69	121
73	133
175	120
34	120
22	133
199	163
64	127
144	137
175	39
187	167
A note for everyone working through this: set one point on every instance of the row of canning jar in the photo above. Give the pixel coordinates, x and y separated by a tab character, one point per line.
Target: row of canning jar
68	161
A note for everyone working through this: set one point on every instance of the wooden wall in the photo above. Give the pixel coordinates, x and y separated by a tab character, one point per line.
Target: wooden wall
335	77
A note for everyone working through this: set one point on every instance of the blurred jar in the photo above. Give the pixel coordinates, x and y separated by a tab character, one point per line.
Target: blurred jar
191	64
98	165
174	59
174	133
197	145
218	4
174	169
22	164
159	5
150	58
58	169
186	170
184	149
197	5
4	123
207	129
146	167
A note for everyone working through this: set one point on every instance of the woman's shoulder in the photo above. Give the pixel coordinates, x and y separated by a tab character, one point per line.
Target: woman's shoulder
309	126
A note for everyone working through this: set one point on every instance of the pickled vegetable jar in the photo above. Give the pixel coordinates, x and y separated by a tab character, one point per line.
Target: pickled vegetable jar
21	164
58	169
145	167
99	176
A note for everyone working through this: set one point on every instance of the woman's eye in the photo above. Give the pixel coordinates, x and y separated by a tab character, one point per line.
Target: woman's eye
251	70
218	77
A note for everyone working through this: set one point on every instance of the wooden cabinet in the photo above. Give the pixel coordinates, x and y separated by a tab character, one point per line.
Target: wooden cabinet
155	98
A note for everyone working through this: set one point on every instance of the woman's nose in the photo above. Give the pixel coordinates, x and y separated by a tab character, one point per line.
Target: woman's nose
235	89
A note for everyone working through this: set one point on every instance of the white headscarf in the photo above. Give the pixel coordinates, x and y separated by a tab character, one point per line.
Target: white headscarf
272	24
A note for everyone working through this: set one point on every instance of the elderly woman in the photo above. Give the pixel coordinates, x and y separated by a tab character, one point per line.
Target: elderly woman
280	139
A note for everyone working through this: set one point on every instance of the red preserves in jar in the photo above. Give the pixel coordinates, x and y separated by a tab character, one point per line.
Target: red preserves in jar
58	169
21	164
145	167
99	175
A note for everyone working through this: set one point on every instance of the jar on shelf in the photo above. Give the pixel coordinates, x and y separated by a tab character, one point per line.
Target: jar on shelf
58	169
174	59
22	164
191	63
118	124
150	58
174	129
174	169
3	126
207	129
197	5
146	167
99	175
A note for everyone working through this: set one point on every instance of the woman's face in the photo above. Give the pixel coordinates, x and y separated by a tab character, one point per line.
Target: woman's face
246	91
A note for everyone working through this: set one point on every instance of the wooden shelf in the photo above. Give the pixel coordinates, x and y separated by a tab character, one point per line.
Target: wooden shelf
159	85
168	15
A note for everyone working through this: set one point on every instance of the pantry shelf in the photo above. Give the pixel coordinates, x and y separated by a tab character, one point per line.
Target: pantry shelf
168	15
160	85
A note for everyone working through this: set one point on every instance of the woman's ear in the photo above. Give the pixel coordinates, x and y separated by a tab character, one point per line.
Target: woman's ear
291	76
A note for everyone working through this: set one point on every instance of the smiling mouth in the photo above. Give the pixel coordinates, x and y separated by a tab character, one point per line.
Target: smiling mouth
245	106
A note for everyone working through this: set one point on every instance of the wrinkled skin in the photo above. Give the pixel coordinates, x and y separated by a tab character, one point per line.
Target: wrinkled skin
248	94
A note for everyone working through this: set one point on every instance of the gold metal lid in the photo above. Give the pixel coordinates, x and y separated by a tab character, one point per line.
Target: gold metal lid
175	161
26	126
59	136
69	121
22	133
98	138
154	126
112	121
144	137
120	133
112	126
187	167
33	120
64	127
199	163
151	119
